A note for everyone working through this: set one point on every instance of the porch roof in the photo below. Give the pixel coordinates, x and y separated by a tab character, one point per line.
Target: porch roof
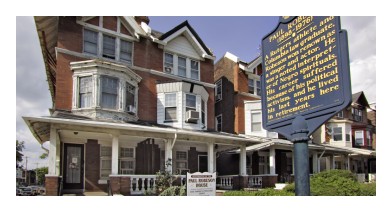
40	128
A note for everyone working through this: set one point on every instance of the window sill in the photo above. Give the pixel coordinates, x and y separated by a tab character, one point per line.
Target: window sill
170	121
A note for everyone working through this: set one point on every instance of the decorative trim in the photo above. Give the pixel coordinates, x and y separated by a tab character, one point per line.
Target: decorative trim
106	31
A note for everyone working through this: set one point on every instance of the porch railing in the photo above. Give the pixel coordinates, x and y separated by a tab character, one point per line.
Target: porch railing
141	184
255	181
225	182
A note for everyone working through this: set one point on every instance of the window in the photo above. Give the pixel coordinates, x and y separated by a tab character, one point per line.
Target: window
85	92
359	138
181	160
357	114
170	107
194	70
169	63
256	121
348	139
251	86
125	51
218	91
106	161
90	41
218	121
181	66
337	134
109	92
126	160
130	98
203	113
109	47
340	114
258	86
190	102
369	138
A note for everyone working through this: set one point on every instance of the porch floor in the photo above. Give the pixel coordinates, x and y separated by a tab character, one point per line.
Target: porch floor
88	193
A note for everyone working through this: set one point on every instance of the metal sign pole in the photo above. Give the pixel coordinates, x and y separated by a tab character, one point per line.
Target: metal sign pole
301	156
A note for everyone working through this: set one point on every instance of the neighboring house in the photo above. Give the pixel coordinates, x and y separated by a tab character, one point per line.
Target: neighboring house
127	99
353	129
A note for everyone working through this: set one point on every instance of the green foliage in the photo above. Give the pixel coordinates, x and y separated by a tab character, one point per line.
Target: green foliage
174	191
19	156
43	156
334	183
41	174
164	179
263	192
290	188
368	189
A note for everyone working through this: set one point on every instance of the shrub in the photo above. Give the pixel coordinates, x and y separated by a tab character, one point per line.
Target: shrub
368	189
334	183
263	192
239	193
289	188
174	191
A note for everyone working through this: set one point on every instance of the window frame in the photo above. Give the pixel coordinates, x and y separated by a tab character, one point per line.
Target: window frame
170	106
195	70
253	85
218	90
355	138
181	160
107	158
255	122
217	123
175	65
87	92
121	51
203	112
116	107
109	57
184	67
125	158
96	44
166	64
335	135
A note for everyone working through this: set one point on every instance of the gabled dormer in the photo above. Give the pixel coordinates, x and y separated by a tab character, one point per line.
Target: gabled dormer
183	51
358	108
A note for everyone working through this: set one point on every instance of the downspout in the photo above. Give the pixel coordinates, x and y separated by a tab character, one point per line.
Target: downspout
174	140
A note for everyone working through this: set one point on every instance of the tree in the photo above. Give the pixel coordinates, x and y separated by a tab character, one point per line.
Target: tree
40	172
19	156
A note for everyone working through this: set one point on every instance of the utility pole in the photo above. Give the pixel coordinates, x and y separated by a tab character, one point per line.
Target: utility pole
36	174
26	171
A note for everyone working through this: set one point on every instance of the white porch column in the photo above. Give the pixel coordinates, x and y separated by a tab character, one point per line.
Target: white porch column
348	162
315	163
115	154
168	155
211	156
332	162
52	170
272	160
328	163
243	160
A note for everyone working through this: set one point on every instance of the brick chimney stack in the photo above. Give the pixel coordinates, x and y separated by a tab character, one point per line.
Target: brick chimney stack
140	19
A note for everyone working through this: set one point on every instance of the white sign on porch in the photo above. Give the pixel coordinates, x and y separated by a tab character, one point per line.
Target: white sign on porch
201	184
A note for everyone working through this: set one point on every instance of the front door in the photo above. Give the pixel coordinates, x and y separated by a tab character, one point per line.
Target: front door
73	166
203	163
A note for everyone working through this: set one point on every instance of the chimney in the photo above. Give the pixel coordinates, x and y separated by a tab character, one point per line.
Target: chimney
140	19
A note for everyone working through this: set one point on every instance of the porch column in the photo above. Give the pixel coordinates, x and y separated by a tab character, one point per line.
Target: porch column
53	168
332	161
114	154
272	160
211	156
243	160
348	163
315	163
292	161
328	163
168	155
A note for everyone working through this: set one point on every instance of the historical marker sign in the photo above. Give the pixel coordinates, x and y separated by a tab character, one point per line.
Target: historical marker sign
201	184
306	72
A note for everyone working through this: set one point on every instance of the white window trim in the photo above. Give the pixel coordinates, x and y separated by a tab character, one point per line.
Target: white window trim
131	159
117	35
255	78
188	65
355	138
342	134
101	158
251	121
181	160
164	111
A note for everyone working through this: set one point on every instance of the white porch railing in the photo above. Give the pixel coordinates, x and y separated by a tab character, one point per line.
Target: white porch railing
255	181
225	182
140	184
372	177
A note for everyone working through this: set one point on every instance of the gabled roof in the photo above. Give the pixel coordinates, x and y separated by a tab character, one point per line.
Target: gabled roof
186	29
359	98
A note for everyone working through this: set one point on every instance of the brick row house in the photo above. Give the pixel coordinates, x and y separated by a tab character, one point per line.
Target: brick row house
127	99
238	111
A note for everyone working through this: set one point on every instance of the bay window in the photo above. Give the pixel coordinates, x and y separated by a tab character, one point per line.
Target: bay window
130	98
190	102
337	134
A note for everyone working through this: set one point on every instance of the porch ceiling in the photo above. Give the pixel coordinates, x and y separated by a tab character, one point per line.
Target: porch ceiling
40	127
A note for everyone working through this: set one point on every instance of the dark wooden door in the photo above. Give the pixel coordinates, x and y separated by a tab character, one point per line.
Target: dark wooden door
148	157
73	166
203	163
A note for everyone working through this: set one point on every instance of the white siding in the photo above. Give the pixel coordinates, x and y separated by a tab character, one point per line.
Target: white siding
255	106
182	46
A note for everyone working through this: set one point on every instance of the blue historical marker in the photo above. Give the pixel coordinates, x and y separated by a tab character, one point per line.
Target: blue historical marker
306	81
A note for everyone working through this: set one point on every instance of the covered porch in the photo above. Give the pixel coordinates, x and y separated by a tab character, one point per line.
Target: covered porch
84	154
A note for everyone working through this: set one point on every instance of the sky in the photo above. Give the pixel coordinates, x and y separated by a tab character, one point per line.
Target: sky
238	35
